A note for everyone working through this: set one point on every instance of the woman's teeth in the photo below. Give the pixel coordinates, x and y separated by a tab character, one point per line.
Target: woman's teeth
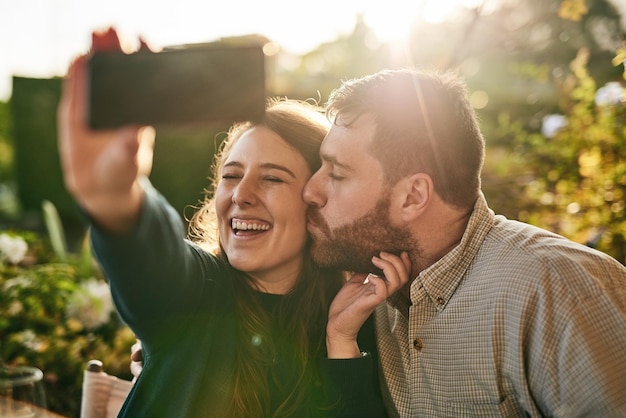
249	226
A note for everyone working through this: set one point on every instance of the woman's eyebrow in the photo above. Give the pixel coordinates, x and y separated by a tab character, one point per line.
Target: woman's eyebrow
266	166
232	164
278	167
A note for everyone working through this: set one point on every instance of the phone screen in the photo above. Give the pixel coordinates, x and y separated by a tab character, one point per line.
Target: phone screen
198	84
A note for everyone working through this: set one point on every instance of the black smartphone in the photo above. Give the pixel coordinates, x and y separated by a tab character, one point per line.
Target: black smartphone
187	85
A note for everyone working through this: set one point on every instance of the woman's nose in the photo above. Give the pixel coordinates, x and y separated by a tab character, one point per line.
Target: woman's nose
245	193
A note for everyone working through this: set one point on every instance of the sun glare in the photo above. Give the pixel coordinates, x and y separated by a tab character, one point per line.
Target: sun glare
392	21
56	35
437	11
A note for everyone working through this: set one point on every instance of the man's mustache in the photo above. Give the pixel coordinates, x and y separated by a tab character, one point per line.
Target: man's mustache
313	216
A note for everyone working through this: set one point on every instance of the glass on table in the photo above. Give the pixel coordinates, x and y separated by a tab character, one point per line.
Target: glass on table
21	392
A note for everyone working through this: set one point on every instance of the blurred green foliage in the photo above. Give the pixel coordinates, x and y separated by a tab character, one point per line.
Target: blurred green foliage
56	313
6	147
9	206
576	179
33	132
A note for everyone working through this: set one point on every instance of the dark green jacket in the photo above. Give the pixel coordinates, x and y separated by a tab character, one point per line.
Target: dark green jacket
178	299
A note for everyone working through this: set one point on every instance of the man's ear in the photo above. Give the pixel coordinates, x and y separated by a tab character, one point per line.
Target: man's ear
417	193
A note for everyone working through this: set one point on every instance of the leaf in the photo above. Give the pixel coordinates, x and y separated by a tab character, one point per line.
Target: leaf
55	229
620	58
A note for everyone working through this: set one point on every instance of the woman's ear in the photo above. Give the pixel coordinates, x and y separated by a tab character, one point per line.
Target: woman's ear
417	192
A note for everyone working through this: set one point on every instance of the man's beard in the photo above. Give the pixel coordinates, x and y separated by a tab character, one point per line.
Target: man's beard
352	246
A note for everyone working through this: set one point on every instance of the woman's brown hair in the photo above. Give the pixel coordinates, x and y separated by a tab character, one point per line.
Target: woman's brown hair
303	126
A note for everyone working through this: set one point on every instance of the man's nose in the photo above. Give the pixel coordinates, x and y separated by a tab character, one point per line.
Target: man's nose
312	193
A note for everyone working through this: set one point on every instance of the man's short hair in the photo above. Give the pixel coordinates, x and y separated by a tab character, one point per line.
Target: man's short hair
424	123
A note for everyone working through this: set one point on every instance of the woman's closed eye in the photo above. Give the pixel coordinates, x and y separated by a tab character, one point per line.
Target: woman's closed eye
273	179
270	179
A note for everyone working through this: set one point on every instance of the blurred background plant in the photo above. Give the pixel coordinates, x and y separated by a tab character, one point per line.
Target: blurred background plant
574	168
56	312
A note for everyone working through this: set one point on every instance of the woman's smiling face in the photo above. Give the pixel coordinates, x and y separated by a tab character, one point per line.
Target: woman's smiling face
261	214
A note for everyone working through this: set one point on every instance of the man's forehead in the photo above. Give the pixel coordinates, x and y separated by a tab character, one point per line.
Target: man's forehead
357	135
346	143
335	145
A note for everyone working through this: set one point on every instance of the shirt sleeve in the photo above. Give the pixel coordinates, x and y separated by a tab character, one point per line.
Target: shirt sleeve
584	373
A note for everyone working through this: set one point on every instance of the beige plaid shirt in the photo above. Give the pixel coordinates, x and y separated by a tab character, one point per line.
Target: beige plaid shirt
515	321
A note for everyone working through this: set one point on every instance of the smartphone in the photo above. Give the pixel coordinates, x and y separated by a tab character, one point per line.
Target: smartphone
187	85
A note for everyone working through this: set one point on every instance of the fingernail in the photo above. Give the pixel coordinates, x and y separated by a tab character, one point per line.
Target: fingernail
367	278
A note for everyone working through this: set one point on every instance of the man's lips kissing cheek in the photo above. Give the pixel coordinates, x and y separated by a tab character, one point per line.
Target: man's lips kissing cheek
316	224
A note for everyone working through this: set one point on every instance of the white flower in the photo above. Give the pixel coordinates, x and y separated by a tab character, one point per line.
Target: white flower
12	249
609	94
551	124
30	340
91	304
19	281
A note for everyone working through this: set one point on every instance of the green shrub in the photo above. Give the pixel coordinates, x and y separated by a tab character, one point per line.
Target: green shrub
56	314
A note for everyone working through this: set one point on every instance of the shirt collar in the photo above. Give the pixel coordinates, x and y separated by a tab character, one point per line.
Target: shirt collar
441	279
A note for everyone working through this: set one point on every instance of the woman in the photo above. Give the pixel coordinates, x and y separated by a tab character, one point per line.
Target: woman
237	332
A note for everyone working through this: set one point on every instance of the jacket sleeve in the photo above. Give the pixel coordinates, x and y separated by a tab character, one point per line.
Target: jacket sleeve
153	271
352	385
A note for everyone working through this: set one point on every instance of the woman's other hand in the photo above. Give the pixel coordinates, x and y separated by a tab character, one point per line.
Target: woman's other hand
358	298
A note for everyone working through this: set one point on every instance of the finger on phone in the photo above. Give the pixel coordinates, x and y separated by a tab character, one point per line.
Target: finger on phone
143	45
106	41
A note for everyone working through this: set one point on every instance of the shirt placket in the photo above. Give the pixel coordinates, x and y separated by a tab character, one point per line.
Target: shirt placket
420	312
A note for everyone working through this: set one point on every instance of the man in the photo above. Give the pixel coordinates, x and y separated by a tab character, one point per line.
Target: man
500	318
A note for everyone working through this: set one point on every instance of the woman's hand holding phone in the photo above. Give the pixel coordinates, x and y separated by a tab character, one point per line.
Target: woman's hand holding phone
101	168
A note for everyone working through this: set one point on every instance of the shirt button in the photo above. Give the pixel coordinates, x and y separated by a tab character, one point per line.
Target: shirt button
440	301
417	344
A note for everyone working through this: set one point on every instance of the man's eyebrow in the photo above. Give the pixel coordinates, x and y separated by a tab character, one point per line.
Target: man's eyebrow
266	166
334	161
